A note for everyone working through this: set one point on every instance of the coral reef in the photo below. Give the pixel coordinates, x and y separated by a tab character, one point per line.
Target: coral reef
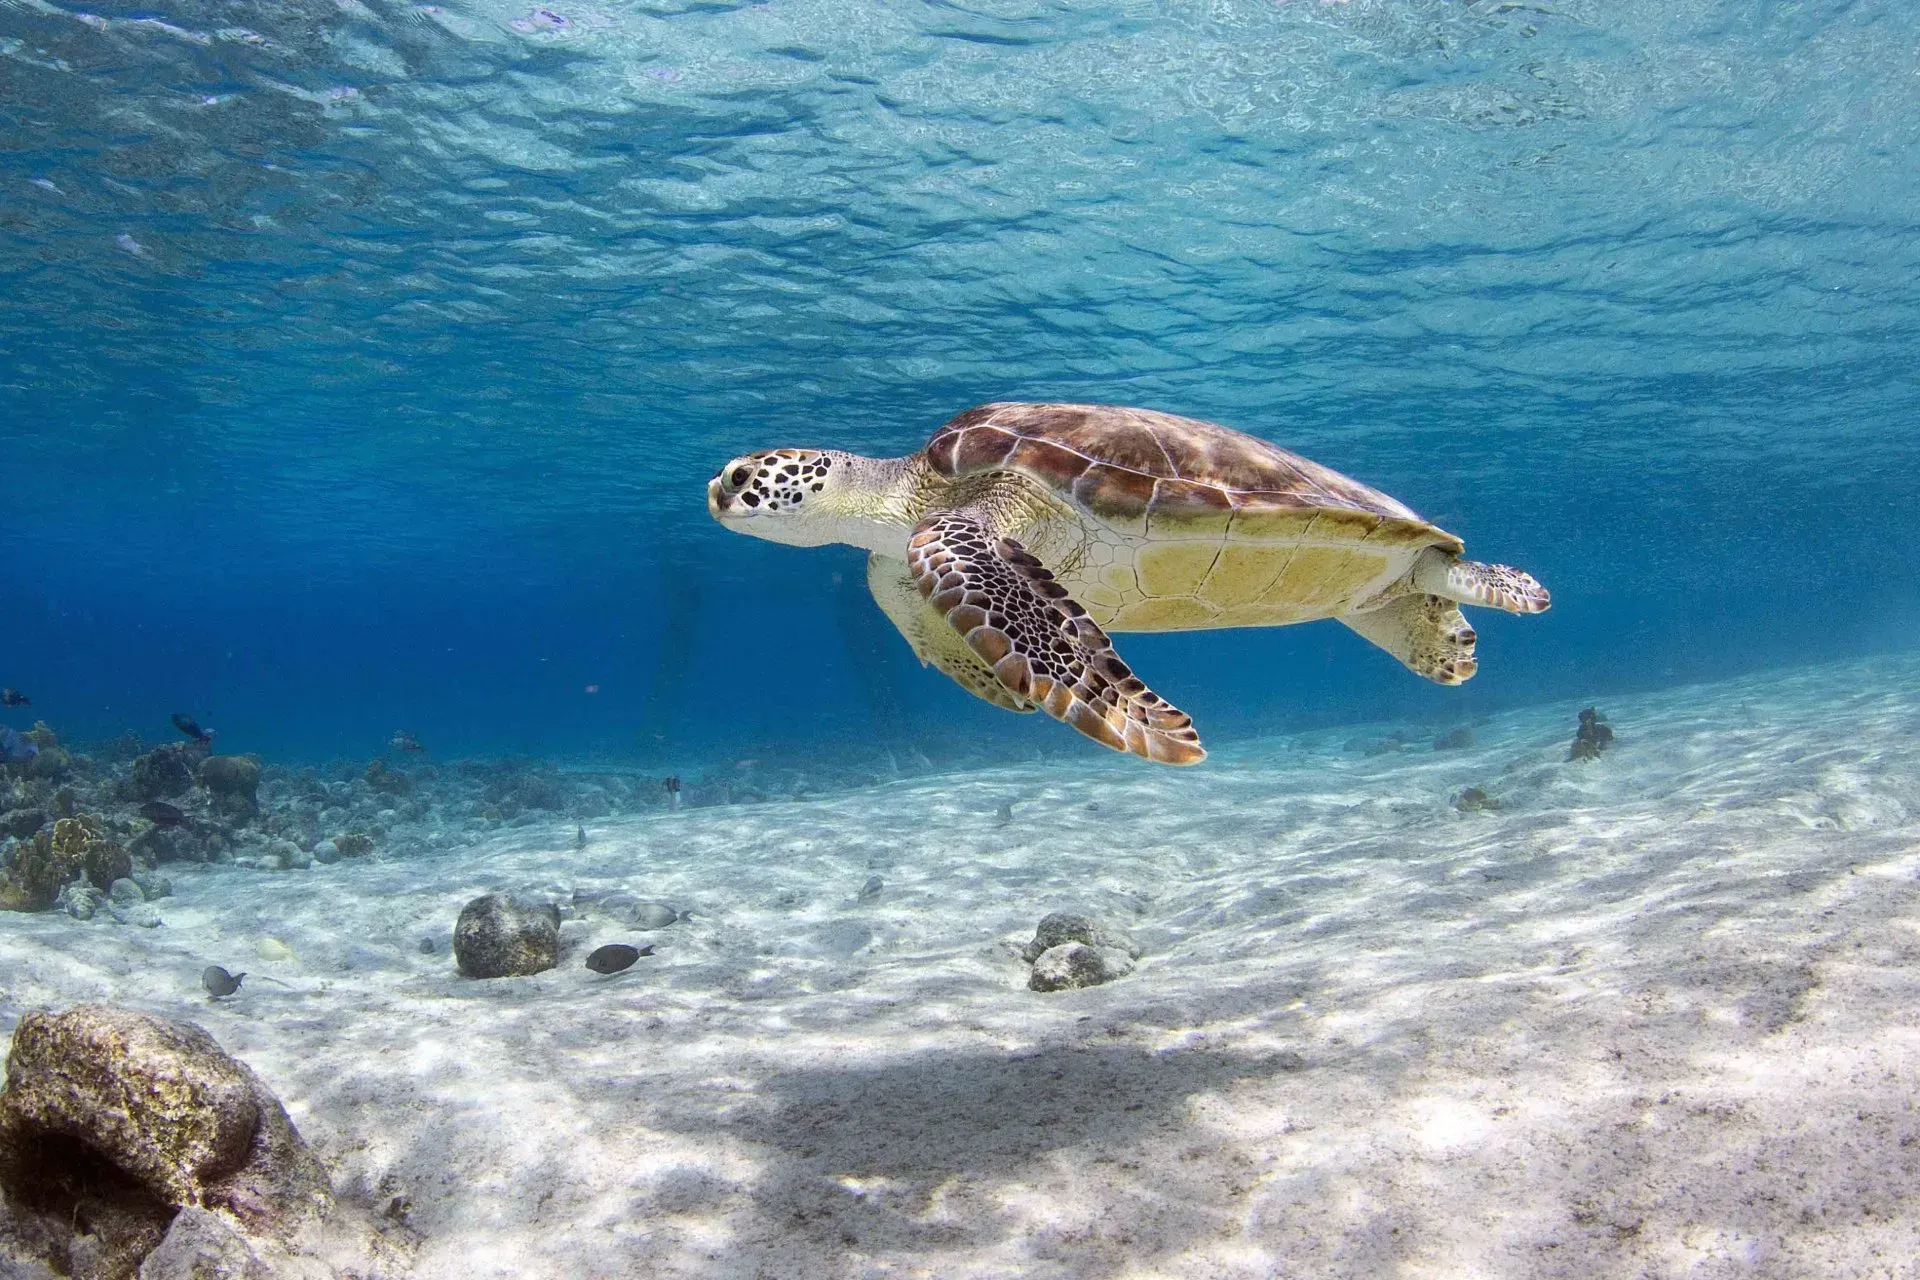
54	761
387	780
113	1121
21	823
71	847
164	772
234	783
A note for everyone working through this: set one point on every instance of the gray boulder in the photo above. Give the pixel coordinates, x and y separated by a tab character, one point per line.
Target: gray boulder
112	1121
501	936
1074	964
204	1246
1062	927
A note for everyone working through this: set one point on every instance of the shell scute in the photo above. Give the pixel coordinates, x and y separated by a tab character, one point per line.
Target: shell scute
982	449
1186	507
1057	464
1125	466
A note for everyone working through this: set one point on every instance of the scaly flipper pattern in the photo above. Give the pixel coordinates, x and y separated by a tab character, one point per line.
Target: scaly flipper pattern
933	641
1429	635
1498	586
1039	642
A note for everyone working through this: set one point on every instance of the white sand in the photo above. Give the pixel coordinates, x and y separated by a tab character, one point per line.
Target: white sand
1660	1016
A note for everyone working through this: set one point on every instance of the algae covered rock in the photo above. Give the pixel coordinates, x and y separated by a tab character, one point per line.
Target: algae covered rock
113	1121
204	1246
164	772
1074	965
1593	736
71	847
388	780
1061	927
234	784
53	761
22	823
1475	800
500	936
231	776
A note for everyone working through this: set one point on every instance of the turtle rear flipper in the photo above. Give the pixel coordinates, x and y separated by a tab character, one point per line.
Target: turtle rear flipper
1429	635
1038	641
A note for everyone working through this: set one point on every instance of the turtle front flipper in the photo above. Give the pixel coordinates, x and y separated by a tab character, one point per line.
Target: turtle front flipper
933	641
1498	586
1429	635
1038	641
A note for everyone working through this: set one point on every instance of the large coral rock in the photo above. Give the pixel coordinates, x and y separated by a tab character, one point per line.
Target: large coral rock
22	823
112	1121
53	761
71	847
234	784
499	936
164	772
237	776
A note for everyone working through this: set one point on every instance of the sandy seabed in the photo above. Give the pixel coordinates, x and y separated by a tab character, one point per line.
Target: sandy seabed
1657	1016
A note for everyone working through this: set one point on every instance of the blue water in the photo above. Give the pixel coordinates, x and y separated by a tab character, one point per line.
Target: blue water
361	366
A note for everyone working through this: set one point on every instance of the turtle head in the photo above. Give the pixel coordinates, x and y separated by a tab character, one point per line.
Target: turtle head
802	497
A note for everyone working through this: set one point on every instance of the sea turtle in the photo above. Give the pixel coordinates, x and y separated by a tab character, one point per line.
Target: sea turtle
1009	547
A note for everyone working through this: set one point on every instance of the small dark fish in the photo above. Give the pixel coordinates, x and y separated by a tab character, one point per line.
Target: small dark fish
191	727
14	698
219	982
404	741
15	747
162	814
615	956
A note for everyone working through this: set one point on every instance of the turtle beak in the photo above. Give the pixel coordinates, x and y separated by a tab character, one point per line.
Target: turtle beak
717	499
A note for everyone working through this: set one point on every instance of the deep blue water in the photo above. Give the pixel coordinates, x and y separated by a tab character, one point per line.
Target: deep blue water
361	366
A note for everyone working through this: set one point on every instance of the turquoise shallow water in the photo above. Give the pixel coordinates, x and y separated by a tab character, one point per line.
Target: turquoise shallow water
361	366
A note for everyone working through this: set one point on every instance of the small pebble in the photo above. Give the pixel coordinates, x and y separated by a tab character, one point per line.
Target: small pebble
143	915
80	901
153	884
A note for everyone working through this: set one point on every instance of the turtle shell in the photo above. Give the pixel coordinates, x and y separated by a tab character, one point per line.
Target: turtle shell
1158	474
1201	526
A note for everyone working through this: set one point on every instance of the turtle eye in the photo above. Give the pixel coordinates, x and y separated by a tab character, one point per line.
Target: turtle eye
738	477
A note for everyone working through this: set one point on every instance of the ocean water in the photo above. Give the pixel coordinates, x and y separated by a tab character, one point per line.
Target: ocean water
362	369
361	366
